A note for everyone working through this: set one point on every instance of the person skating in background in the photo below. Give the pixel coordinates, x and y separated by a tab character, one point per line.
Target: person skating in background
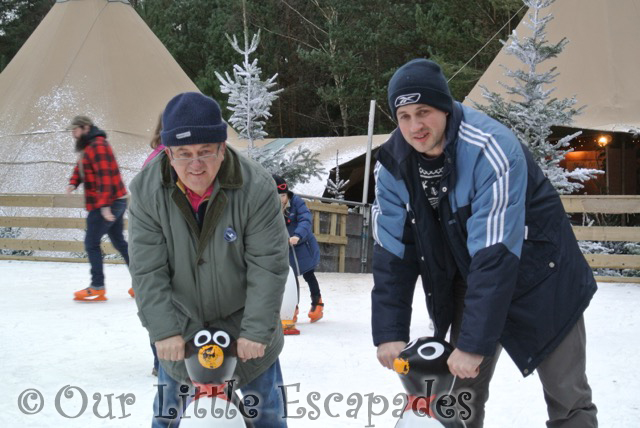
105	199
307	251
156	143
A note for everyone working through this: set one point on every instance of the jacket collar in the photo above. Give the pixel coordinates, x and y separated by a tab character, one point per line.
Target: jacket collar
396	151
88	138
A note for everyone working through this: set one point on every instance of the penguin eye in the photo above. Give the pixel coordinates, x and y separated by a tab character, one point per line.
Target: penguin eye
431	351
221	338
202	337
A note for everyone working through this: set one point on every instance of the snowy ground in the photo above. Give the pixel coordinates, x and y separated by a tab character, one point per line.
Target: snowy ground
50	342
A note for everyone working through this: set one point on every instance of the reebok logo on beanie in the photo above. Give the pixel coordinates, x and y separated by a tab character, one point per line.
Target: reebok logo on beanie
407	99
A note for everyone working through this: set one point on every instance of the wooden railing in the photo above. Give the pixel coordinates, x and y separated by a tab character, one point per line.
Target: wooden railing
46	245
336	235
607	205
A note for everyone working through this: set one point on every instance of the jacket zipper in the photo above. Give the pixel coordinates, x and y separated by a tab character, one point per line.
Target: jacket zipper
425	268
446	225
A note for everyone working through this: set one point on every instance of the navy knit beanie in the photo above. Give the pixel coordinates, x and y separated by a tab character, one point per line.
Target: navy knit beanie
419	81
192	118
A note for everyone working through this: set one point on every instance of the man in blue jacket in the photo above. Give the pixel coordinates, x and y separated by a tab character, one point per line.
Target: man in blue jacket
461	203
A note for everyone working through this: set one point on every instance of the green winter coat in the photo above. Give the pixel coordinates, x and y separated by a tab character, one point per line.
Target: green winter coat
230	275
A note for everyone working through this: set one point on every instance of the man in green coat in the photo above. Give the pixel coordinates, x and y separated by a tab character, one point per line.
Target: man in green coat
208	248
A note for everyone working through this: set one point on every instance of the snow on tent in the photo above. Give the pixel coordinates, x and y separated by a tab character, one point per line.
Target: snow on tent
91	57
598	66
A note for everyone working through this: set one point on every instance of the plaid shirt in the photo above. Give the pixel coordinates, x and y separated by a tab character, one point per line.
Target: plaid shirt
101	175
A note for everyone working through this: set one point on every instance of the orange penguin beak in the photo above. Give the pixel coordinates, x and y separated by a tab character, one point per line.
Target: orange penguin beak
211	356
401	366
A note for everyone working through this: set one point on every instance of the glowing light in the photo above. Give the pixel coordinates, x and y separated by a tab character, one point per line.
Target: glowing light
603	140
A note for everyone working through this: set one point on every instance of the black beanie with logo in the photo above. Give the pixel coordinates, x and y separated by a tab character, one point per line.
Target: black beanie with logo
420	81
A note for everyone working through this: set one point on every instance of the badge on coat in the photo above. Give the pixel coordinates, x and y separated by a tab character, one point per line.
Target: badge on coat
230	235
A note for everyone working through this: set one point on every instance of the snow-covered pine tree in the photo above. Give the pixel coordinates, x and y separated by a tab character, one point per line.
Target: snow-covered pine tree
250	98
532	117
336	188
295	167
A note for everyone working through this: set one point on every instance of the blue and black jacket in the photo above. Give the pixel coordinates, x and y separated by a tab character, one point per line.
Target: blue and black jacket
500	227
307	251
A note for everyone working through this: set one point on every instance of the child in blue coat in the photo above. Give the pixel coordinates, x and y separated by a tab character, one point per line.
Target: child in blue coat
307	252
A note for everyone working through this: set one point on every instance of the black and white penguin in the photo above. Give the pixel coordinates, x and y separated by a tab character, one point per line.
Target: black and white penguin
424	373
211	360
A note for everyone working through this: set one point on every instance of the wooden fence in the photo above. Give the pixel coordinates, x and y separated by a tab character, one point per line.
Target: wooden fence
335	235
610	204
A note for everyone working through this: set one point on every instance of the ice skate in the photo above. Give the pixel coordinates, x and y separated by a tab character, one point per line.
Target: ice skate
90	294
316	311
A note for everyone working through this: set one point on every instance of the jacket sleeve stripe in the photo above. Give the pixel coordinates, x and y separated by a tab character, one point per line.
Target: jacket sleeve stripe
388	211
375	210
500	164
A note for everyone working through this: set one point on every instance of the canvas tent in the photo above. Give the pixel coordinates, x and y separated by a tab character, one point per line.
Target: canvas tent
598	66
92	57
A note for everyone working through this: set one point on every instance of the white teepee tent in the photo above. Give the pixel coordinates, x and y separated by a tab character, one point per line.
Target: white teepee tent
598	66
91	57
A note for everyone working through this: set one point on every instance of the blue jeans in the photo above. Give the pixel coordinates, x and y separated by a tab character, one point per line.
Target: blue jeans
97	227
270	403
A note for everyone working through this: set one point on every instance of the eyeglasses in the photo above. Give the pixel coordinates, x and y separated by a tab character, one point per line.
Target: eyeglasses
186	158
282	186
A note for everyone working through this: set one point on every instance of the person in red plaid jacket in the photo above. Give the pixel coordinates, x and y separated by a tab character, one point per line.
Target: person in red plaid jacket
105	199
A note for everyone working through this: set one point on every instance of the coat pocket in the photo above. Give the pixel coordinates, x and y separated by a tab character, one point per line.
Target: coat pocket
538	260
183	314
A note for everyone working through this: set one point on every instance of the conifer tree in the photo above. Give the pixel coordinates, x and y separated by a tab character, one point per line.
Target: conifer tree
295	167
337	188
533	112
250	98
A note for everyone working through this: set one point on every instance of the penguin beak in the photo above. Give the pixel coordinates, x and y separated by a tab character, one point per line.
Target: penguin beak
401	366
211	356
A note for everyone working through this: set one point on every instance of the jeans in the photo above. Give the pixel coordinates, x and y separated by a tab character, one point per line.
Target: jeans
97	227
270	404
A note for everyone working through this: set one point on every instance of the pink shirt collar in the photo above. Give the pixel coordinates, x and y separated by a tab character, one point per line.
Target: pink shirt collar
194	199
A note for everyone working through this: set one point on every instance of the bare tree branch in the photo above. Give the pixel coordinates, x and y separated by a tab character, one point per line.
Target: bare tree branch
286	37
303	17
